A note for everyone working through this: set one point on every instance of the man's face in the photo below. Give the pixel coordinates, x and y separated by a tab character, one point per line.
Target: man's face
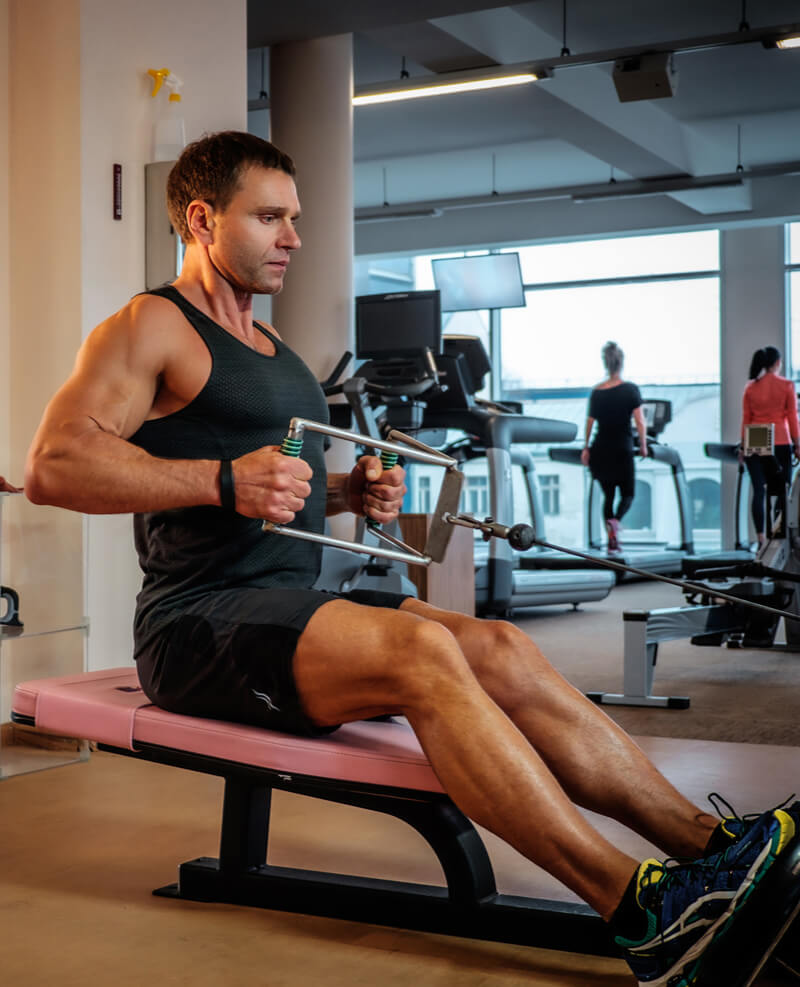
255	235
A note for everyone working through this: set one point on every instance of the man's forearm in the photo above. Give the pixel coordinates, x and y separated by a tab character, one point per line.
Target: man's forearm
99	473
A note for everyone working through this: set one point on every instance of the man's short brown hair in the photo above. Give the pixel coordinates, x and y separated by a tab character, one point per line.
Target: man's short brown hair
210	169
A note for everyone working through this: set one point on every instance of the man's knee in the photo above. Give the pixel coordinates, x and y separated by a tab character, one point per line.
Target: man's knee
427	658
505	660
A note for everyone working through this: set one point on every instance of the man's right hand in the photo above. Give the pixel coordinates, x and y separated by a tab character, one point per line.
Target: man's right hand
270	485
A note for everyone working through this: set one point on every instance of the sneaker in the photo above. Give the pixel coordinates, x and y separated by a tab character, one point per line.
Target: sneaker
689	906
732	827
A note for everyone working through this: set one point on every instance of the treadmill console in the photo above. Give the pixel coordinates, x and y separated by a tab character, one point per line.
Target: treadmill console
463	366
657	415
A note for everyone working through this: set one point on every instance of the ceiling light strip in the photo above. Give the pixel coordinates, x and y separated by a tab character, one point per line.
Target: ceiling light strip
391	95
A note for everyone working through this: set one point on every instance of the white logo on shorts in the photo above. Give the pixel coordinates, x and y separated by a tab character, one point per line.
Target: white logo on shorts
265	699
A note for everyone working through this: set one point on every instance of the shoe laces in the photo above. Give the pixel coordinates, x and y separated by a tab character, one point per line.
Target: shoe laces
659	877
729	812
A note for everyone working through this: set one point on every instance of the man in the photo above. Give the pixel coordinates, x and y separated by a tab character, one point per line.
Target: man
175	411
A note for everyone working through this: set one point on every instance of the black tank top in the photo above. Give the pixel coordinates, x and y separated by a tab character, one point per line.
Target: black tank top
247	402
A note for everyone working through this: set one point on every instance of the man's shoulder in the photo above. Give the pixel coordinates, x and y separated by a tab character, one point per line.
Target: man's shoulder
145	314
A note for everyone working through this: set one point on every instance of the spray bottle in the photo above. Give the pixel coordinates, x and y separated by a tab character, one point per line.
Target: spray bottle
169	134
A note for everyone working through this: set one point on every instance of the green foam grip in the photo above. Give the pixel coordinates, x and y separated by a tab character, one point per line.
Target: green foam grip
291	447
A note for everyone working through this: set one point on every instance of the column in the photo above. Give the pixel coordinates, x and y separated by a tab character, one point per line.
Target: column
753	314
311	118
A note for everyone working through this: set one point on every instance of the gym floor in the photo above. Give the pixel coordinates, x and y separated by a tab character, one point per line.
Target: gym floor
83	846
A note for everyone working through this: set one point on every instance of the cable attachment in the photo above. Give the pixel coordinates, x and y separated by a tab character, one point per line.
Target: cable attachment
519	536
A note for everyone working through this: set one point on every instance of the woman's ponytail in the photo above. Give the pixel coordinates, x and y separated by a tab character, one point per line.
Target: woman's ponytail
763	359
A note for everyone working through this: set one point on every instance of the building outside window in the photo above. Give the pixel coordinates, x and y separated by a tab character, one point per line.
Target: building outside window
423	494
475	496
550	489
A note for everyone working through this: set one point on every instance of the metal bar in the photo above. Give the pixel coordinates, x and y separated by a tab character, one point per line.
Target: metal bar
681	583
408	447
385	536
349	546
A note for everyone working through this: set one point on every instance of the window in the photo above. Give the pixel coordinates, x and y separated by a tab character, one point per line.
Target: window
640	516
550	491
475	496
658	297
423	490
555	341
623	257
704	495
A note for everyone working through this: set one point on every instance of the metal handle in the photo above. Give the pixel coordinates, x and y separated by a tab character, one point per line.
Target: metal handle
440	529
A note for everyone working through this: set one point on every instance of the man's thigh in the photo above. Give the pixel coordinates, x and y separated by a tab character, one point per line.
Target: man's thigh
348	657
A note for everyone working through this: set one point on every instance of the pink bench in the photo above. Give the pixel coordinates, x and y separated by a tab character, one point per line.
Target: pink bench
373	765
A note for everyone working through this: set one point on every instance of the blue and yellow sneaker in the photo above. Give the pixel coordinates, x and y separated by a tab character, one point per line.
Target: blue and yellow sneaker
732	826
687	907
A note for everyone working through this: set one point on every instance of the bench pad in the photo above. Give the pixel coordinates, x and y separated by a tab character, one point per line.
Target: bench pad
109	707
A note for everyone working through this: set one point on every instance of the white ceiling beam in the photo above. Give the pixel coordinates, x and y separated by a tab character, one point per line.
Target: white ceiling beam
639	138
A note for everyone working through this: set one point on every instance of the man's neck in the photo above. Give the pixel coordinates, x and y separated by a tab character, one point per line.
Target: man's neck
207	290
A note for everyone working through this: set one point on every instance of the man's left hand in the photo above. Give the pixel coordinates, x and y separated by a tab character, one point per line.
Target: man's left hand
375	492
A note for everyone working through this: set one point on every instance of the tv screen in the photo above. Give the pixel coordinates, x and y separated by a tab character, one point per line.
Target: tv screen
487	281
398	324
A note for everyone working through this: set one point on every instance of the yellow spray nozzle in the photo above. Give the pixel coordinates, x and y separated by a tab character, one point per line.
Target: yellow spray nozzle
158	76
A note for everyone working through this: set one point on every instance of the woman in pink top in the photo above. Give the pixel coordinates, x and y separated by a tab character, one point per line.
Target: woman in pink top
770	399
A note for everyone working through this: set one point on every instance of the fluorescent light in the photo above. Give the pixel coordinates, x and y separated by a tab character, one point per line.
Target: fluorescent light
438	88
792	41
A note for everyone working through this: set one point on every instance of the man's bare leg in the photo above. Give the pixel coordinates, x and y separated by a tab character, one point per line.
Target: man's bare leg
354	662
595	761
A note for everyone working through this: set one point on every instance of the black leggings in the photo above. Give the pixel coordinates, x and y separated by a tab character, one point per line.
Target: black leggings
769	476
623	506
614	468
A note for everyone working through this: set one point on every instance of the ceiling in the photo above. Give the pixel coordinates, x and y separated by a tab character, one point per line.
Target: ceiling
733	106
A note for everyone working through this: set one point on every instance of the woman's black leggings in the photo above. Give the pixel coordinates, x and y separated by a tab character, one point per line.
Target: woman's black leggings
609	488
769	476
611	471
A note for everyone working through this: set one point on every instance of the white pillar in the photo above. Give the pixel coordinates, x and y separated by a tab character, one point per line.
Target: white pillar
311	118
753	315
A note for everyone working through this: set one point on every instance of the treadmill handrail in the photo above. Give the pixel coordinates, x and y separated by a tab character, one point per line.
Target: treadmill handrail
499	430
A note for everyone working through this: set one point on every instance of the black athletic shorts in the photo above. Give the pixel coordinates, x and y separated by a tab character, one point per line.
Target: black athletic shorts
229	657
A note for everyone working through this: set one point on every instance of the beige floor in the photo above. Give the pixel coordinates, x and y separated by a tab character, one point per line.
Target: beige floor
82	846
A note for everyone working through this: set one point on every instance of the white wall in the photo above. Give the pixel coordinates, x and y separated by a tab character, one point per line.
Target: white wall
205	43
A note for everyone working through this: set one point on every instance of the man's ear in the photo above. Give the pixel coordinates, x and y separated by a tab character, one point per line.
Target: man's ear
200	220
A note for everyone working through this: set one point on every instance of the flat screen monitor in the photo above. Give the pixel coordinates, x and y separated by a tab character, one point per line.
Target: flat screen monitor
486	281
398	324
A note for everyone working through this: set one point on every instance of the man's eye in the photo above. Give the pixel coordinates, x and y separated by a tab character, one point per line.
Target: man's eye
267	219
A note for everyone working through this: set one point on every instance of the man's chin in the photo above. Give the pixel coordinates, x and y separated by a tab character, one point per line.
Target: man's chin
271	287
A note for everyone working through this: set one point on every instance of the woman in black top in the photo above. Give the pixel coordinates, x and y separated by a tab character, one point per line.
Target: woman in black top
610	457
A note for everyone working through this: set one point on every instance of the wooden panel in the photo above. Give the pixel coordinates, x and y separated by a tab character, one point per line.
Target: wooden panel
451	584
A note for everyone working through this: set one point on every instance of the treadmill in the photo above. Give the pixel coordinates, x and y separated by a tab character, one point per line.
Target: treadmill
657	557
495	432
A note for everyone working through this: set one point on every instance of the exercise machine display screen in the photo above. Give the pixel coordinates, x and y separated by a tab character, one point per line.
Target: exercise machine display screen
398	324
485	281
759	440
657	415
